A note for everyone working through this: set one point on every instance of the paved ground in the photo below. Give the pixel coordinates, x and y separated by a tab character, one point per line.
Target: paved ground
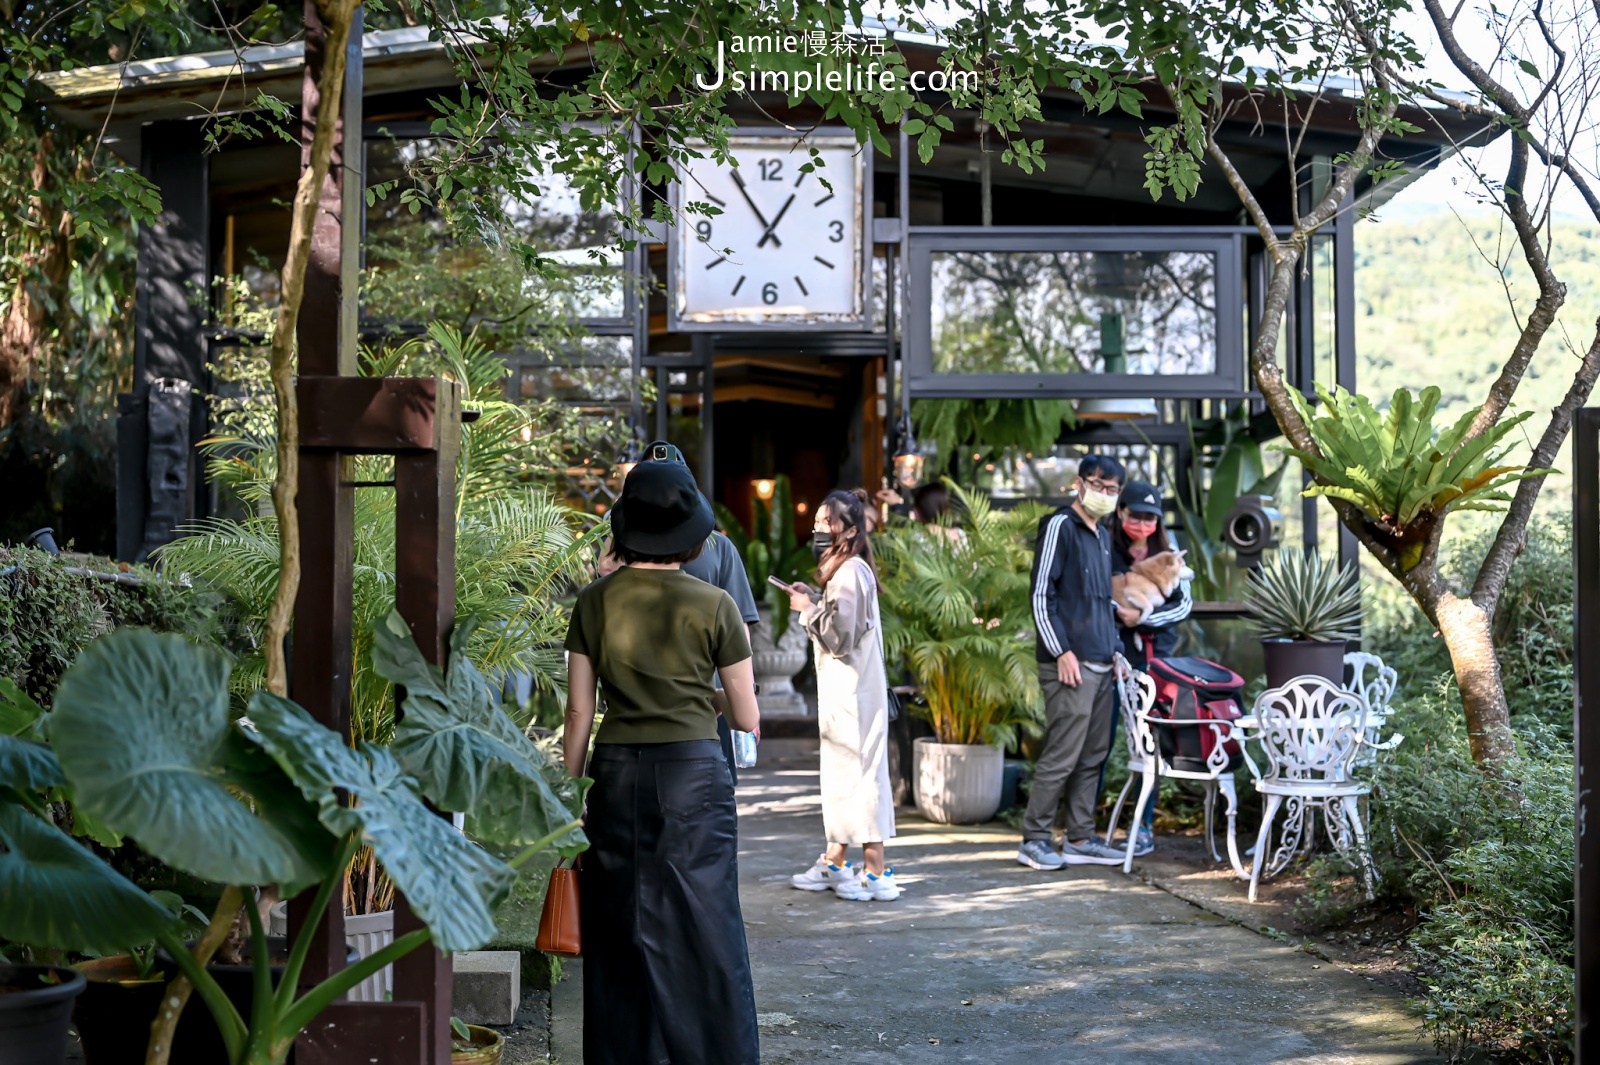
984	960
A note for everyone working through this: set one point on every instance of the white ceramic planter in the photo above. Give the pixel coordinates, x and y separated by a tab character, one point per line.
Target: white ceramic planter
957	783
368	933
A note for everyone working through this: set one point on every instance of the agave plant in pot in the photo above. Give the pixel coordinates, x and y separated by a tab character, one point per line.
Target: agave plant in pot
957	616
1305	610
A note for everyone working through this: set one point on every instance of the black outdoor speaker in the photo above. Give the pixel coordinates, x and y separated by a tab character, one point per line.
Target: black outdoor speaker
1253	526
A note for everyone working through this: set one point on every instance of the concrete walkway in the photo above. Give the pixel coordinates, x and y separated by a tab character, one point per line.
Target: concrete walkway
984	960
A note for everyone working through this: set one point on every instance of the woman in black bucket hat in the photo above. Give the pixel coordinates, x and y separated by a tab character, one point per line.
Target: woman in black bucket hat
666	971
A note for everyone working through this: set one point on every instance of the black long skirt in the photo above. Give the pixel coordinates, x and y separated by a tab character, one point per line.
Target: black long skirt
666	971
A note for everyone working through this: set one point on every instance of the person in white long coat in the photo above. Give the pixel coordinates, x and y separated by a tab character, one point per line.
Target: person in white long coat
852	706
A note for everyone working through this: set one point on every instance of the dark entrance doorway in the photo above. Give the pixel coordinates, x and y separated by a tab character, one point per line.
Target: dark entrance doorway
816	419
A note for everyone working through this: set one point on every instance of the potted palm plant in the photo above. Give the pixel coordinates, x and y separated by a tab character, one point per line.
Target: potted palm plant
957	616
1304	610
142	734
770	549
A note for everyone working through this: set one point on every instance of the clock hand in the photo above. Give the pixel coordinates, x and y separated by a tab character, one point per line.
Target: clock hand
739	181
769	234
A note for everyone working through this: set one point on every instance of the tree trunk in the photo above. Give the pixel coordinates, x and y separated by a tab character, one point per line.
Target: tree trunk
1468	632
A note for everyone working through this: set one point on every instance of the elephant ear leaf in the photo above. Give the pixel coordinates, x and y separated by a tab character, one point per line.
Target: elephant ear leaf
140	725
19	714
27	766
467	755
451	884
56	893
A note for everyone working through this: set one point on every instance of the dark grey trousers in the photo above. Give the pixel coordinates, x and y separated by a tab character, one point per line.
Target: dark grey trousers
1077	738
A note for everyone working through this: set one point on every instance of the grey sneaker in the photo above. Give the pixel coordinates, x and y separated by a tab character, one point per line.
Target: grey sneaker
1093	851
1038	854
1144	843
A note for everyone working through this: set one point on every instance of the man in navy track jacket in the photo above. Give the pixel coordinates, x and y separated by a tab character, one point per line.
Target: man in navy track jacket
1074	617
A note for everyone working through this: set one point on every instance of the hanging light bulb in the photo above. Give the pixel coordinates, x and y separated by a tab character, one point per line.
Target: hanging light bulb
908	460
763	487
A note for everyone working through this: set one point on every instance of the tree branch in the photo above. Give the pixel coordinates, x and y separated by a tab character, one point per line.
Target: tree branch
336	17
1510	540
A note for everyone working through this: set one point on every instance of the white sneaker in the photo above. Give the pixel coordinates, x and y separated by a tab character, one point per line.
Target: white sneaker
823	876
881	888
854	889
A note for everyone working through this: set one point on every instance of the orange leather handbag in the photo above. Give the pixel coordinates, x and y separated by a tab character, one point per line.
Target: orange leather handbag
558	924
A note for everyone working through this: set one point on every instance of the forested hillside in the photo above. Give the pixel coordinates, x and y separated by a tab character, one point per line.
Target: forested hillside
1431	308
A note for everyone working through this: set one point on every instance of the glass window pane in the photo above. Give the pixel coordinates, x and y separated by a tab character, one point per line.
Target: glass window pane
1041	312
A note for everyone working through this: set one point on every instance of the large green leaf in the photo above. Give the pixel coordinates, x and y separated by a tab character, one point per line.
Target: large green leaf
141	727
451	884
28	766
55	893
466	753
19	714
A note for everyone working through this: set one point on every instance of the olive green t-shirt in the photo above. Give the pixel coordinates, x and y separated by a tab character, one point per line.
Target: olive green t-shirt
656	638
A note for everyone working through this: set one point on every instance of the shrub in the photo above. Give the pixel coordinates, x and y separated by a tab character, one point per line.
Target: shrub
1487	868
48	613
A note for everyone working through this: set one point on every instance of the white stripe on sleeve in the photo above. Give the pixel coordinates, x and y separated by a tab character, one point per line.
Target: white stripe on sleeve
1041	617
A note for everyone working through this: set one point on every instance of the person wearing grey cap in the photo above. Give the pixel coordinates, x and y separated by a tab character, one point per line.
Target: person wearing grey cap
666	967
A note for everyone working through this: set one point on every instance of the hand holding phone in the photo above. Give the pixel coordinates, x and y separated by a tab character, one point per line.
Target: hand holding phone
776	583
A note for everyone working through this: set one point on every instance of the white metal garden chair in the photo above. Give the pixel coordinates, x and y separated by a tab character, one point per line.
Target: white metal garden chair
1376	683
1310	731
1136	696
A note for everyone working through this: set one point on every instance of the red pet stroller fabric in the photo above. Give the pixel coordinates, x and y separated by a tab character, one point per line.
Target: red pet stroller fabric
1194	689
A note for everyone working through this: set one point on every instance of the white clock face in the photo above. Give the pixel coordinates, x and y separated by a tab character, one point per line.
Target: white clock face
786	248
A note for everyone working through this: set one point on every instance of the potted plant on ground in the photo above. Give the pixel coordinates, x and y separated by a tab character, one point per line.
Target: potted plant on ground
141	732
1304	610
36	1011
770	549
958	617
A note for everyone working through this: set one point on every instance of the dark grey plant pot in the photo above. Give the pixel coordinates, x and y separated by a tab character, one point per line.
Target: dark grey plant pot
1288	659
35	1016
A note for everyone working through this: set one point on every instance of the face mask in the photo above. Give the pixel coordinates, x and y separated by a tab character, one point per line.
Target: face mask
820	542
1095	504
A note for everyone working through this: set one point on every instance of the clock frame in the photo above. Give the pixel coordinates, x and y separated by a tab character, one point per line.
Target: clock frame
687	301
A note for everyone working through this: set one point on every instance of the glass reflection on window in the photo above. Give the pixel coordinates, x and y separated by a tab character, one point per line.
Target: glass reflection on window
1027	312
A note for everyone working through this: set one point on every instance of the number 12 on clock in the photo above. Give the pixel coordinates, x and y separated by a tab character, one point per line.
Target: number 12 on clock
787	249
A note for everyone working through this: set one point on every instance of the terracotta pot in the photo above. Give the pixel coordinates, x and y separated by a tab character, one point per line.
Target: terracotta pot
364	933
35	1012
957	783
115	1011
487	1045
1288	659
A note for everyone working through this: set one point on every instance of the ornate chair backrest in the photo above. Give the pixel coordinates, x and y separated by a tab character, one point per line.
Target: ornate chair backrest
1136	694
1373	681
1310	730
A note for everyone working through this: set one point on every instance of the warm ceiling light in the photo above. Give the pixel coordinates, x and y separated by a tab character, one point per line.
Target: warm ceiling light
800	507
763	489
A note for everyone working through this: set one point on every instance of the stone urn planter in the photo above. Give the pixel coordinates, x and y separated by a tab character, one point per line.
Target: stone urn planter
776	663
957	783
364	933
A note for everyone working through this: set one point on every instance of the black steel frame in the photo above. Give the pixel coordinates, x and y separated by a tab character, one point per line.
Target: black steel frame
1224	242
1586	728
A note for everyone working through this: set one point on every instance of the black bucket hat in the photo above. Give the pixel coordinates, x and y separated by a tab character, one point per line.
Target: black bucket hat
1141	497
661	510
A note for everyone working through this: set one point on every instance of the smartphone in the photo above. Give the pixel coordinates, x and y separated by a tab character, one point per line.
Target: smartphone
776	583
